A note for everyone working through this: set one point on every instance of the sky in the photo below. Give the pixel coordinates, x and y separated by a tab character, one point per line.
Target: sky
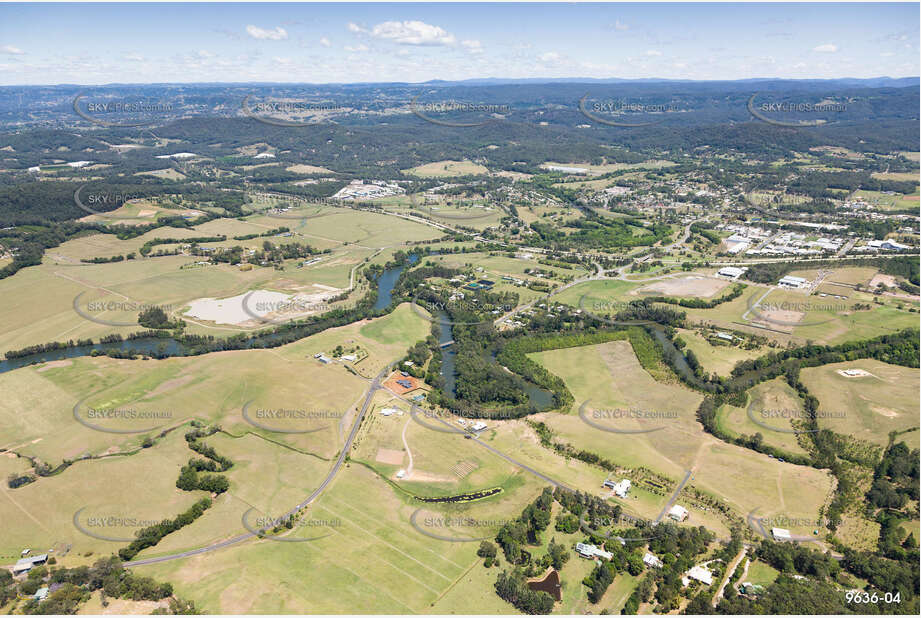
415	42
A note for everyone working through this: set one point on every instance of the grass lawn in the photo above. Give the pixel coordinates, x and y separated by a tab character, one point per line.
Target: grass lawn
375	561
767	399
718	359
761	573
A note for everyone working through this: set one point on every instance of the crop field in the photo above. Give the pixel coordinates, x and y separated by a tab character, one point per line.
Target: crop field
869	406
610	377
773	403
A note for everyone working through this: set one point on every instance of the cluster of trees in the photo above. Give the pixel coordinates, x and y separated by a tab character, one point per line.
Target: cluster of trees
193	475
526	529
155	318
595	232
73	586
272	232
150	536
513	587
895	479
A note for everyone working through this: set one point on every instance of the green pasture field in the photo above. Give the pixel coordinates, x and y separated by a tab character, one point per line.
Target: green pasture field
598	294
825	320
761	573
181	388
139	487
454	213
871	406
374	560
889	202
497	266
40	305
610	377
766	398
719	359
267	477
852	275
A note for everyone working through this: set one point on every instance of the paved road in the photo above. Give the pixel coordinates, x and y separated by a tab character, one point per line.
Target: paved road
671	501
729	571
375	385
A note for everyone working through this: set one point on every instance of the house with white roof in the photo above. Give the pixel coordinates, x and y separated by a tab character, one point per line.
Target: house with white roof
590	551
698	573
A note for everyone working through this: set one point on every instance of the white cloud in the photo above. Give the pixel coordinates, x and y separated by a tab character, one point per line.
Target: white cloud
356	48
353	27
325	42
204	53
9	49
134	58
549	57
473	46
278	34
799	65
619	26
827	48
412	33
278	60
653	52
887	54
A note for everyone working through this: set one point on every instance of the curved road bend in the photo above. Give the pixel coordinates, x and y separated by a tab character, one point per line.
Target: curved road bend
375	385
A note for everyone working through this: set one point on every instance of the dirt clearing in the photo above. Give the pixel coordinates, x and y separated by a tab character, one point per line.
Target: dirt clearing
701	287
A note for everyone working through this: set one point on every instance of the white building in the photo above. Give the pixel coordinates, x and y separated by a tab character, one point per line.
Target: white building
652	561
731	272
781	534
789	281
590	551
479	426
737	248
620	489
678	513
699	573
